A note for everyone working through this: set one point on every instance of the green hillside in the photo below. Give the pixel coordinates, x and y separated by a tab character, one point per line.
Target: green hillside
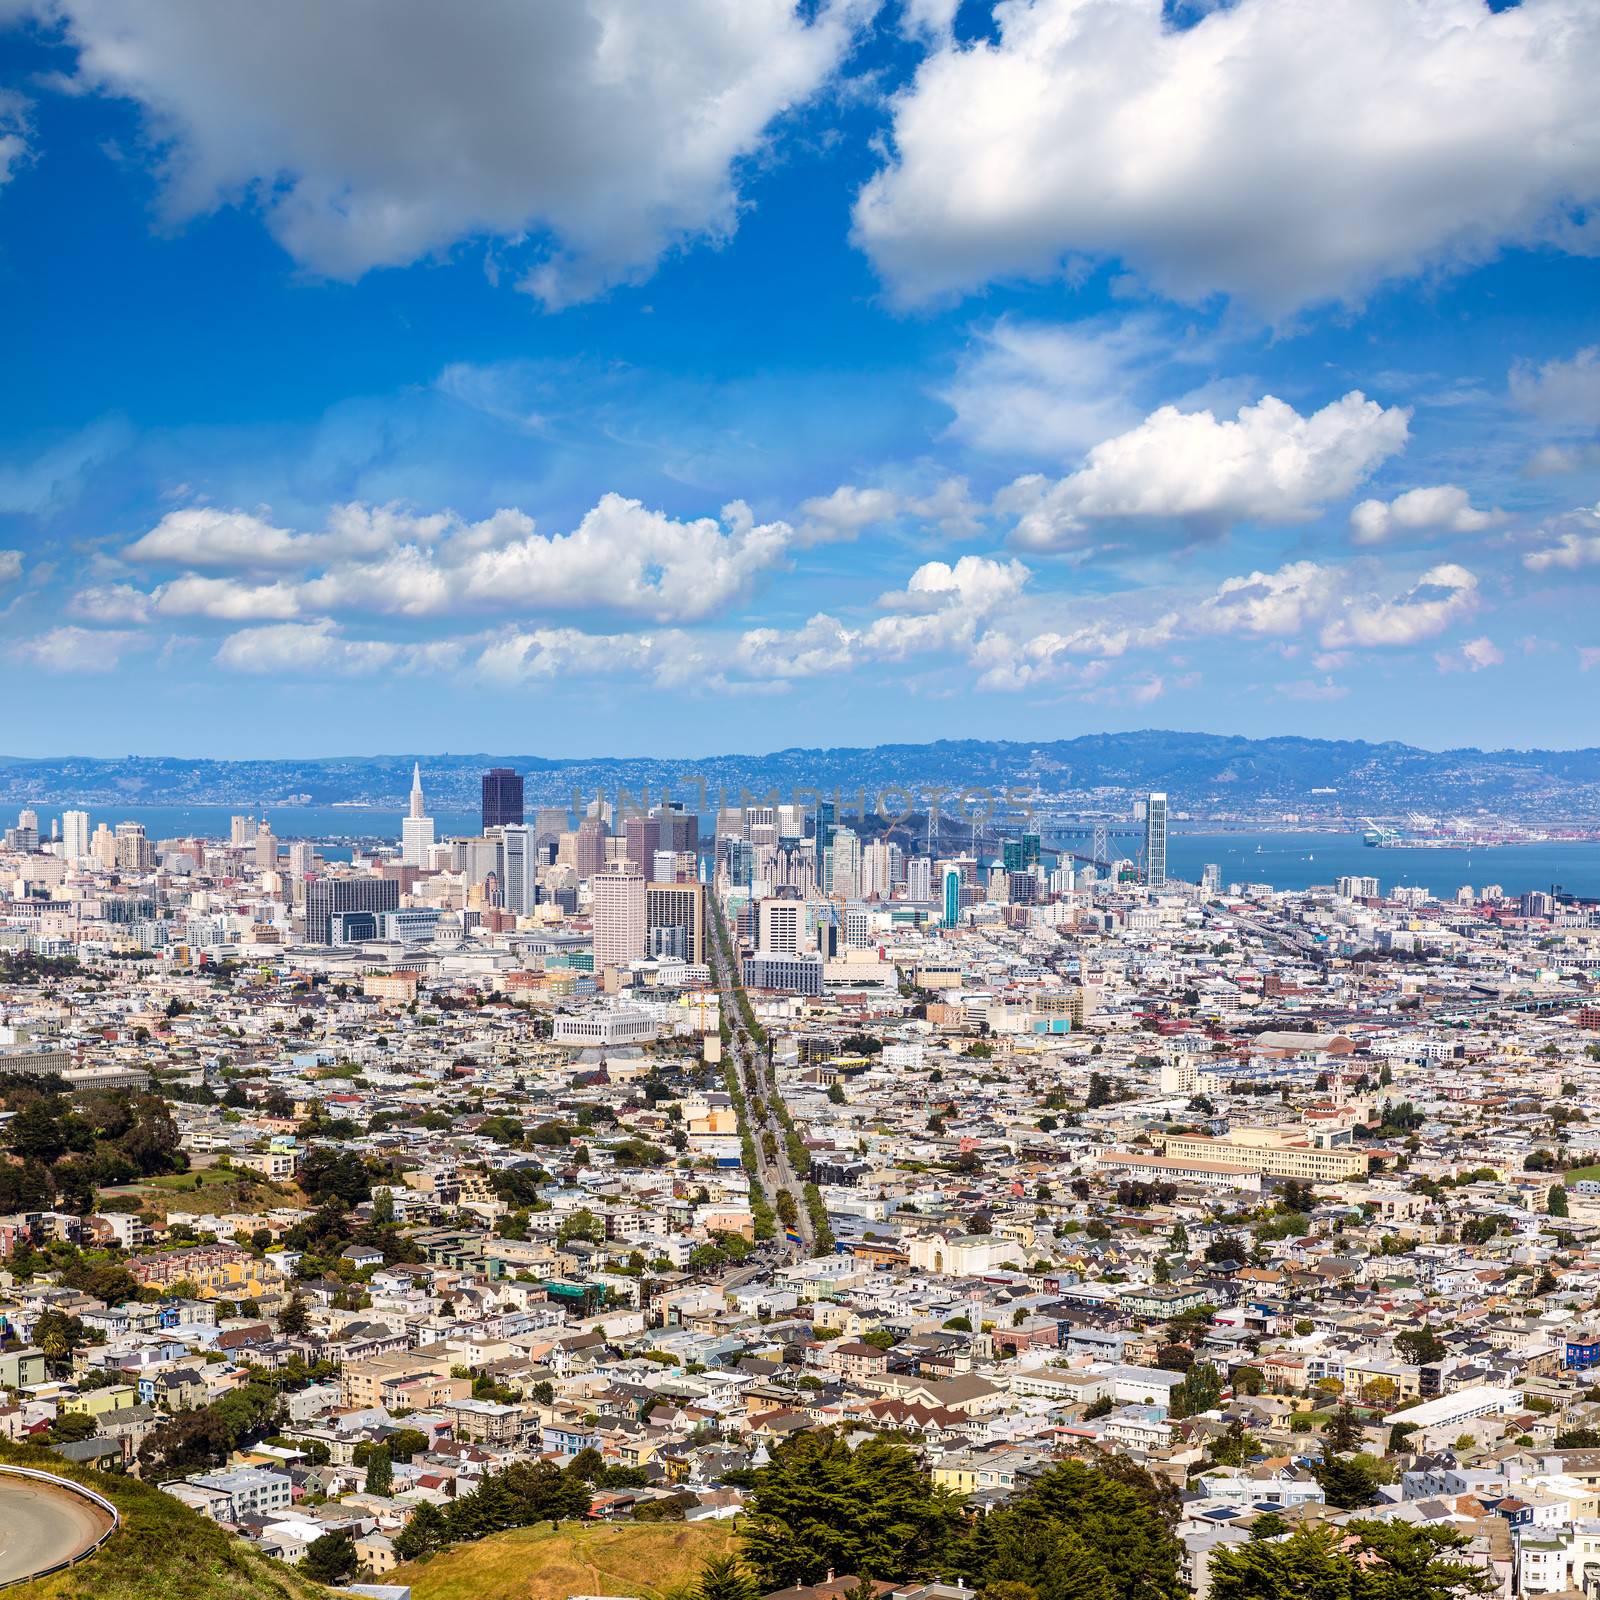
163	1550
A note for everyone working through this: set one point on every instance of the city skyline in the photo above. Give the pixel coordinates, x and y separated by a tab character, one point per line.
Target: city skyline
571	421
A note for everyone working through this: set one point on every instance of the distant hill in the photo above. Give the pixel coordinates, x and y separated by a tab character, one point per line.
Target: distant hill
1207	773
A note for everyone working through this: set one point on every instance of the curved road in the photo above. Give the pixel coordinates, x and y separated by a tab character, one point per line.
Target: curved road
41	1526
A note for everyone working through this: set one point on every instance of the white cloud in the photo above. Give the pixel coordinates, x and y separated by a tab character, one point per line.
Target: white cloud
1283	151
115	602
821	645
297	648
70	649
1441	509
845	513
977	584
1051	389
1441	597
10	565
15	134
1314	689
226	599
1472	655
622	556
1341	606
1269	464
608	129
202	536
1577	543
539	654
1588	657
1563	393
1552	459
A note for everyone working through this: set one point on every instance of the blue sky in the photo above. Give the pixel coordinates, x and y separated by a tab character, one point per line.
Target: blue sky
608	377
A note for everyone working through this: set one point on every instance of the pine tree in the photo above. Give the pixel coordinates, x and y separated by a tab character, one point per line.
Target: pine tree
724	1578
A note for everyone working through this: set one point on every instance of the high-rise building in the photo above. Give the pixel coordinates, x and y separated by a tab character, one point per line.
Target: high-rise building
416	827
134	852
681	906
618	912
641	840
843	860
1155	841
242	832
951	895
103	847
74	835
266	848
1211	878
1020	854
827	818
517	868
781	926
502	798
919	878
327	898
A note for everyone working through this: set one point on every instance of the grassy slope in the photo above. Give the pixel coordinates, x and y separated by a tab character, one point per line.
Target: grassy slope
647	1559
163	1551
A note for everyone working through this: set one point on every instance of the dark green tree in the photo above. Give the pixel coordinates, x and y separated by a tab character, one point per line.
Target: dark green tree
330	1559
380	1472
820	1505
726	1578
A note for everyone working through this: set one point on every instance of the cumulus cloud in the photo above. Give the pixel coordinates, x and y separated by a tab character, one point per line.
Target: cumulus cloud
1576	543
845	513
319	647
1441	509
1343	608
1441	597
1472	655
622	556
72	649
203	536
1270	463
1283	151
607	131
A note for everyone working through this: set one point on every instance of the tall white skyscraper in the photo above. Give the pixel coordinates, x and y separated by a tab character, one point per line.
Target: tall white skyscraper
919	878
618	913
416	828
74	835
1155	841
844	857
517	868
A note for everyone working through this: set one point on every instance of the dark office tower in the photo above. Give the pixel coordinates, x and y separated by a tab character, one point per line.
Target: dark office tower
680	829
330	898
502	798
827	821
643	840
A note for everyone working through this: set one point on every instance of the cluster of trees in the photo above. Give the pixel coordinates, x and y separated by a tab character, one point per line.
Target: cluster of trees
526	1493
1361	1561
67	1151
204	1437
1079	1532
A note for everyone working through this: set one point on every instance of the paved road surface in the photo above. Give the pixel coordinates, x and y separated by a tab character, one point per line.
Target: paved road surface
40	1526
